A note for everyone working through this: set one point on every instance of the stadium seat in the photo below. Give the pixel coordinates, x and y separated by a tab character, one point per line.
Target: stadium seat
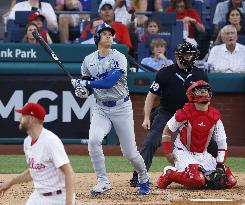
207	15
173	38
166	3
21	17
197	5
16	34
241	39
165	17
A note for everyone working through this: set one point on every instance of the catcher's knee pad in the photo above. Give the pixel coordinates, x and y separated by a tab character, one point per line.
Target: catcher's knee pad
231	180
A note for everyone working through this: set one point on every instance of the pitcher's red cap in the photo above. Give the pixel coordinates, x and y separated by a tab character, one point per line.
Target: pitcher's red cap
33	109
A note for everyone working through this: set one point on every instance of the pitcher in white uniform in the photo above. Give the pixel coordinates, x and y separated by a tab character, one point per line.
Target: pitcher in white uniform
107	70
48	163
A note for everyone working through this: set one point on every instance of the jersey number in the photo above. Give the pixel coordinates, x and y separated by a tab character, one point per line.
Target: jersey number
155	86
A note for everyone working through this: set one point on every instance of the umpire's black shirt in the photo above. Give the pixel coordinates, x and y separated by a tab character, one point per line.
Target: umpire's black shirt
171	84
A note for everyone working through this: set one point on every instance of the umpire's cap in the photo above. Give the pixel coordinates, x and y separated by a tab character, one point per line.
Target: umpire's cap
99	29
33	109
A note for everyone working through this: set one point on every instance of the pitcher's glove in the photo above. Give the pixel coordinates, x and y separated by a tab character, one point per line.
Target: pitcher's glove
216	179
83	92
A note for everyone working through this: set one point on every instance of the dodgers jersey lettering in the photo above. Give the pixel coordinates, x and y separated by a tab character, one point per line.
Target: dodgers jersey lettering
43	158
98	68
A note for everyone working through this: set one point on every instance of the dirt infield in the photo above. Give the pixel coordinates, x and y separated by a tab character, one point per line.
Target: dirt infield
123	194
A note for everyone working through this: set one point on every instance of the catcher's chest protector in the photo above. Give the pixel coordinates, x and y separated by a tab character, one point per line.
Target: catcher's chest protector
199	127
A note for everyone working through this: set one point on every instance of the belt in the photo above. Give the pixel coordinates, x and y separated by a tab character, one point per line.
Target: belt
52	193
113	103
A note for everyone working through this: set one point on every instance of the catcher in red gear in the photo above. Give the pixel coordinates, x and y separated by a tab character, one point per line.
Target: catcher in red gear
195	124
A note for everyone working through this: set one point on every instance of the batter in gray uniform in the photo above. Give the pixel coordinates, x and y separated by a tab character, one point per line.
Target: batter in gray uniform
107	70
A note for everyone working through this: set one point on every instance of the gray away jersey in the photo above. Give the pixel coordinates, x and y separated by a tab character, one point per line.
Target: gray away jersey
98	69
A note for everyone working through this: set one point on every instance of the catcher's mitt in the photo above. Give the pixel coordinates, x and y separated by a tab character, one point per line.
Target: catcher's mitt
83	92
216	179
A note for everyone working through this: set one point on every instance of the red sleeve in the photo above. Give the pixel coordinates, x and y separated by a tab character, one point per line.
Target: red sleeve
122	34
43	33
180	115
194	14
143	38
169	9
84	32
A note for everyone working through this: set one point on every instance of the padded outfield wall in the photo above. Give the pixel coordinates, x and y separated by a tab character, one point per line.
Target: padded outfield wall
28	74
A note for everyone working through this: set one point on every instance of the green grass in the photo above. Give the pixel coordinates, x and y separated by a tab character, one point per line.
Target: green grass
11	164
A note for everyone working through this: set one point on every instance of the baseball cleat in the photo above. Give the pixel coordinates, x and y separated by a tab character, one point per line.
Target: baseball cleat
134	182
100	188
145	188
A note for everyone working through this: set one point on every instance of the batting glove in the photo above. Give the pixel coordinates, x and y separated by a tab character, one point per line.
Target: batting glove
82	92
78	82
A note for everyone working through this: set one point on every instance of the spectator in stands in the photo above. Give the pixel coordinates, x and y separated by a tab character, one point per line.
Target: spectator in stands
107	14
35	5
28	37
93	24
158	5
73	20
39	19
151	27
121	11
140	6
59	5
191	18
230	56
5	15
222	9
158	59
233	17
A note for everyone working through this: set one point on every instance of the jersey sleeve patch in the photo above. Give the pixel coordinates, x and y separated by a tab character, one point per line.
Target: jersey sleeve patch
155	88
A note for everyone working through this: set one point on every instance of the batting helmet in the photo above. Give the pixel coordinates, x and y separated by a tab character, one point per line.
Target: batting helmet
195	94
101	28
185	48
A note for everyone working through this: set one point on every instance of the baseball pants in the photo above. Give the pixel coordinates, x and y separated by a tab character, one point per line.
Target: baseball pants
38	199
153	139
121	117
183	158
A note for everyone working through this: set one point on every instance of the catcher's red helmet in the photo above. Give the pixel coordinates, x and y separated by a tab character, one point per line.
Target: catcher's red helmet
194	96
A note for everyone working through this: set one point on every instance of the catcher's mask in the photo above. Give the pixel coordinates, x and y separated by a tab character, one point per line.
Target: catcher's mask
200	91
187	54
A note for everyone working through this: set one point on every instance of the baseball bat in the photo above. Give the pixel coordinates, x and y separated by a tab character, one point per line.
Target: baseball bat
51	53
144	68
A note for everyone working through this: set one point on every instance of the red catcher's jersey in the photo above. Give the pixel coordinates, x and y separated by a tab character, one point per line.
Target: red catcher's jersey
198	128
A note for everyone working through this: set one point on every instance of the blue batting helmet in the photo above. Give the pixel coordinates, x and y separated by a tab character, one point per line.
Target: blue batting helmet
101	28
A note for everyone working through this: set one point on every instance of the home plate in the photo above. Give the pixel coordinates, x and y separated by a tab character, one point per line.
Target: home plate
210	200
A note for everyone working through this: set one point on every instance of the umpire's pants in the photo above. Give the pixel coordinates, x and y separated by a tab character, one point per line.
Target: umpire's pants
153	139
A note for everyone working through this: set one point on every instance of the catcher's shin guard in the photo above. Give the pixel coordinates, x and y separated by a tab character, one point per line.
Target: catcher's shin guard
231	180
190	177
163	181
